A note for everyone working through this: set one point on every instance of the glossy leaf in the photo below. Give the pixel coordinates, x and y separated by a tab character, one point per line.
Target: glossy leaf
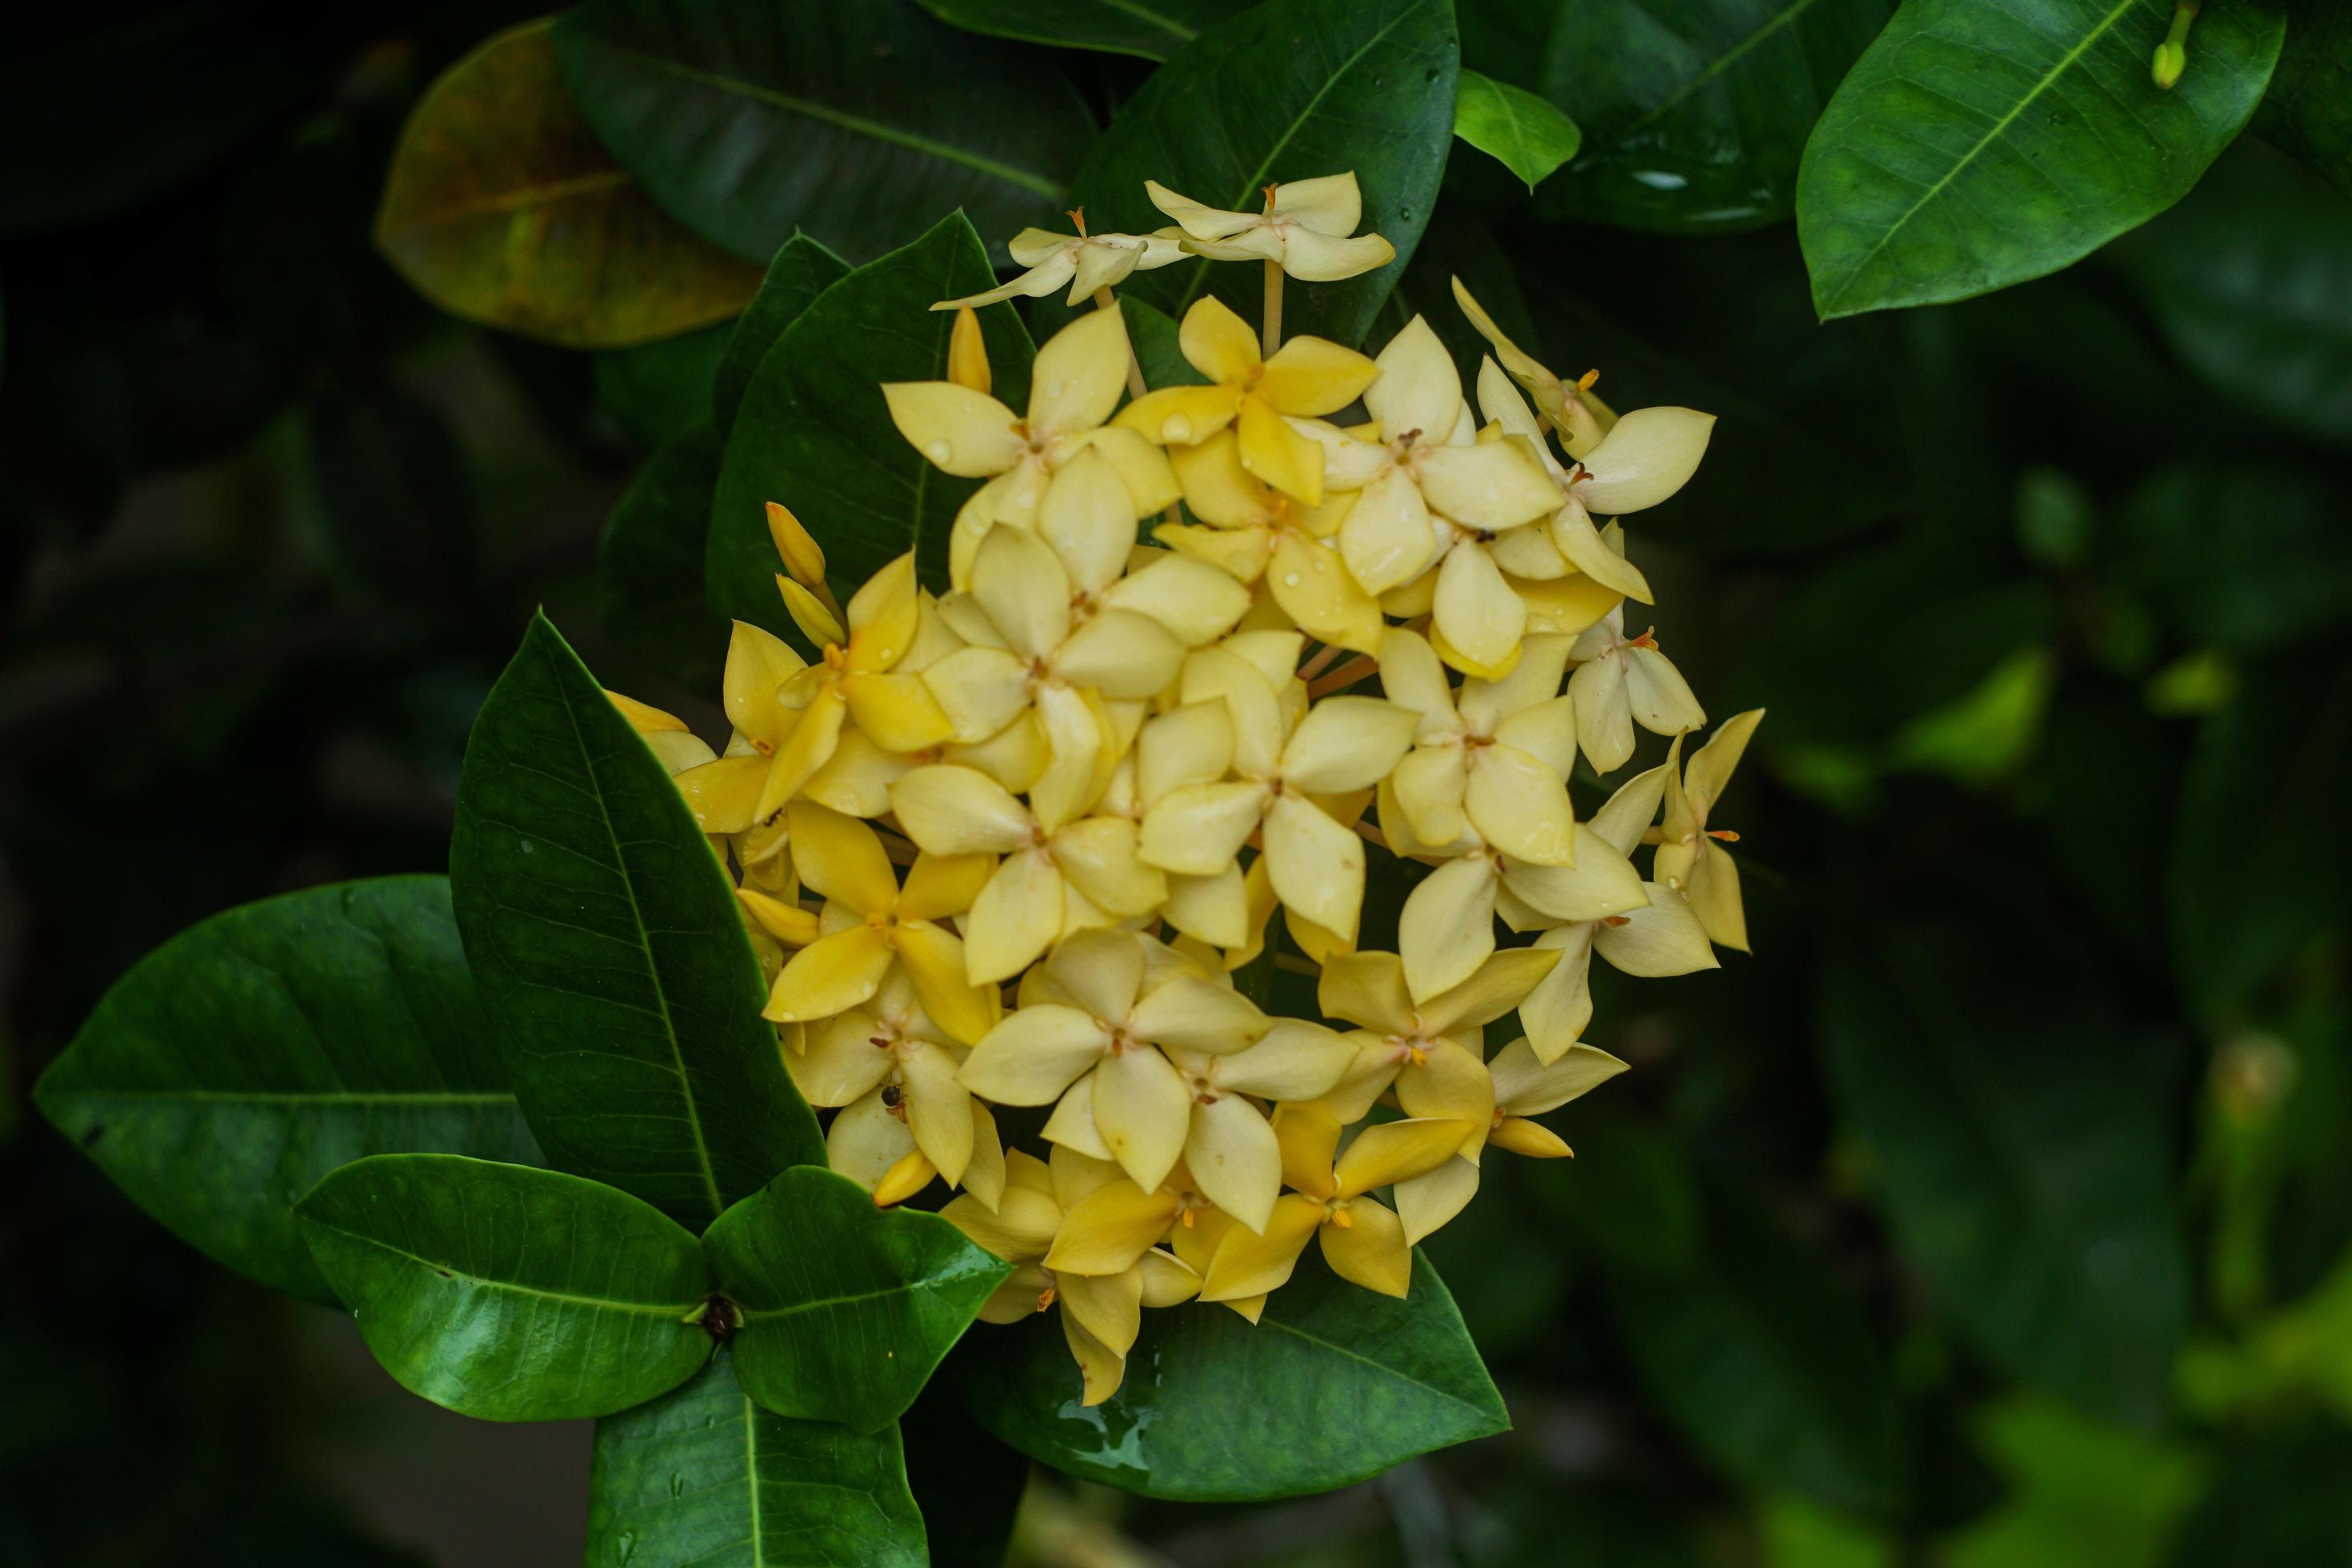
857	123
2308	109
2250	281
502	208
656	390
1152	28
845	1307
2039	111
2021	1144
509	1293
1695	111
702	1477
1529	134
2247	556
803	269
252	1054
649	563
610	953
814	432
1335	1383
1287	90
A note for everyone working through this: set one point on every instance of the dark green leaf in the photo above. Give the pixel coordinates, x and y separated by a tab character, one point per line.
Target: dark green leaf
816	434
1761	1362
1152	28
858	124
802	270
656	390
501	207
1287	90
2021	1141
649	563
2249	280
398	503
249	1055
2249	556
2308	110
2079	1491
509	1293
2253	880
1697	119
845	1307
1333	1385
1529	134
609	951
968	1484
702	1477
1154	339
1977	145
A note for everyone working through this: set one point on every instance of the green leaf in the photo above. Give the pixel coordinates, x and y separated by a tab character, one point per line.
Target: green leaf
967	1482
2308	109
509	1293
1742	1338
2249	556
1529	134
1697	121
649	563
657	390
609	951
398	506
2079	1491
845	1307
252	1054
802	269
2248	893
1334	1384
814	431
858	124
2021	1140
702	1477
1287	90
502	208
1978	145
1152	28
2251	283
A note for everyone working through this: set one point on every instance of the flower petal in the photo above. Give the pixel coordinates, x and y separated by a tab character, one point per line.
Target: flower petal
1142	1110
1017	917
841	858
1248	1263
1034	1054
1079	375
1111	1229
830	975
1525	1085
1234	1160
1346	743
1185	1013
965	433
1447	928
949	810
1317	866
1649	455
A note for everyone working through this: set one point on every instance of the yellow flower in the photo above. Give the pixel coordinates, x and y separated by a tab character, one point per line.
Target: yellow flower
1619	680
888	1047
1075	385
1690	856
1307	377
1497	756
1254	532
1305	228
1573	408
1363	1240
1051	622
873	1138
1101	1314
1427	460
1281	760
1528	1085
1105	1043
1085	261
876	927
750	784
1660	938
1051	880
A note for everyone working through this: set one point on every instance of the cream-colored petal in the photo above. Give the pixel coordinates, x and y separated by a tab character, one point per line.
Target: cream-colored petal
1088	519
841	1063
1034	1054
1602	882
981	690
1197	829
1142	1110
1648	456
1447	927
1296	1061
1248	1263
1215	341
1180	417
965	433
830	975
1660	699
1426	1202
1021	1227
1122	654
1234	1160
1521	806
1419	391
1311	584
1313	257
1545	731
1317	864
1497	987
1110	1229
1388	1151
949	810
1214	909
1450	1083
1019	580
1346	743
841	858
1711	765
1193	744
1312	376
1184	1013
1525	1085
1168	1281
1072	1124
1195	601
1326	205
1100	970
1017	917
1490	484
1079	375
1556	1012
1574	536
938	1108
1714	890
1369	989
1387	539
1604	712
1254	709
1099	856
1074	776
1475	610
1429	785
1108	1307
1664	937
932	959
1275	453
864	1140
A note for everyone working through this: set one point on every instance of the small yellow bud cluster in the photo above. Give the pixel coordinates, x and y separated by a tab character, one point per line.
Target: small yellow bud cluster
1006	845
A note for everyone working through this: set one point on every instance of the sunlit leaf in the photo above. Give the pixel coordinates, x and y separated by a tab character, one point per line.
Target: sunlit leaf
1529	134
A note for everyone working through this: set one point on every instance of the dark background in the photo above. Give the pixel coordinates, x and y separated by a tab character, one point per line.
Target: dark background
1995	1212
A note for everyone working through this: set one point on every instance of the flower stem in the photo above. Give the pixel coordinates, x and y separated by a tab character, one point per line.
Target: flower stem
1270	328
1135	387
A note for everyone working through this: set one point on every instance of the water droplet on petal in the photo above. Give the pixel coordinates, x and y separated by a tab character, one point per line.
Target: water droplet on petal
1177	431
939	451
1290	579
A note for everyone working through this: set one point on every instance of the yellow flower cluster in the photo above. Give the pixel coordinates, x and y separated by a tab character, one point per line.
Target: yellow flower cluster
1007	845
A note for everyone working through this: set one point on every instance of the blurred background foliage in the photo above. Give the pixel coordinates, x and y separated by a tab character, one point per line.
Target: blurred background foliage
1998	1212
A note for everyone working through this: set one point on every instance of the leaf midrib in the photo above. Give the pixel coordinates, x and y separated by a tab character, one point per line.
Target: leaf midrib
1381	1367
441	1266
2065	63
1036	183
644	946
1785	17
